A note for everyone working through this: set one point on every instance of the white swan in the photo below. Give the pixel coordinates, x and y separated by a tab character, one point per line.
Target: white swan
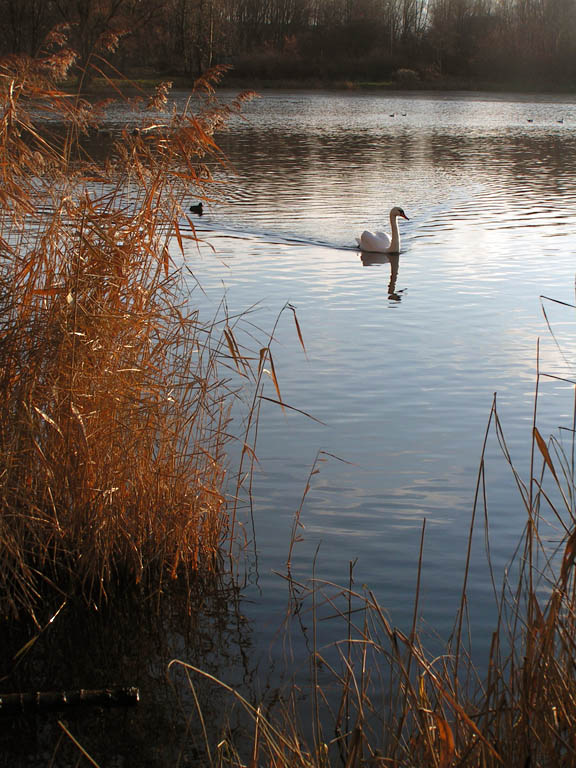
380	242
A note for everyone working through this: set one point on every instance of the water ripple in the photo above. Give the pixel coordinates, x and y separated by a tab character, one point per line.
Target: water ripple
401	368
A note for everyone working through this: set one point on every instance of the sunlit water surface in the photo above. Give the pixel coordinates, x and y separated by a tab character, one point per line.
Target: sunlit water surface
402	375
401	365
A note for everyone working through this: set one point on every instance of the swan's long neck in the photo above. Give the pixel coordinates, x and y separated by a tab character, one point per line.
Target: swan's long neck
395	242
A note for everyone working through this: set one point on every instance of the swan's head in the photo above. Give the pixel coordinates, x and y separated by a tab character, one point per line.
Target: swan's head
398	212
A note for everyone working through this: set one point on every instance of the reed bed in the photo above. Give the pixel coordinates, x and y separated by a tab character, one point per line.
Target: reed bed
114	400
386	698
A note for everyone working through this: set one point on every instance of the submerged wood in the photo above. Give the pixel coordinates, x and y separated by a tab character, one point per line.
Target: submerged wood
17	703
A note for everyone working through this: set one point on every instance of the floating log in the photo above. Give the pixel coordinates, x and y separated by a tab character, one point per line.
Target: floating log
44	701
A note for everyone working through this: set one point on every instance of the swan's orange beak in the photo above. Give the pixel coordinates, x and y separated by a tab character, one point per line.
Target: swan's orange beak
405	217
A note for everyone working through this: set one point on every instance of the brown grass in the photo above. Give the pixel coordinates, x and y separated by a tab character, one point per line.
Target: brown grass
113	409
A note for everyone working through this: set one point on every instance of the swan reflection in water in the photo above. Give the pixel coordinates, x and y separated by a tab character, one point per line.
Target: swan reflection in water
369	259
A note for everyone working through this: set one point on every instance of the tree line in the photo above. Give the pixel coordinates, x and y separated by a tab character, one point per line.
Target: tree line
492	40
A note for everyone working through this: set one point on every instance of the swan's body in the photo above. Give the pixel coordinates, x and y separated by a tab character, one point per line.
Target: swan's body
380	242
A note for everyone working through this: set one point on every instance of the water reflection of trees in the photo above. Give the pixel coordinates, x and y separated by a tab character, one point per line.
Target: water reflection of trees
542	159
129	642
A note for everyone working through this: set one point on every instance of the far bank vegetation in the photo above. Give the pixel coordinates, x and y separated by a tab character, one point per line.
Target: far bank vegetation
527	44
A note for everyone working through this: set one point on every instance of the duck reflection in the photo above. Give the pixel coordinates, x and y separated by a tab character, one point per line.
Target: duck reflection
371	259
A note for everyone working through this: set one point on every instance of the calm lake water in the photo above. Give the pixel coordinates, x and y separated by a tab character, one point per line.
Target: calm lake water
398	377
403	376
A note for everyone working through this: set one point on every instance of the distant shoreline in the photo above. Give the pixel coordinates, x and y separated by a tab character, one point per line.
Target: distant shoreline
442	84
182	82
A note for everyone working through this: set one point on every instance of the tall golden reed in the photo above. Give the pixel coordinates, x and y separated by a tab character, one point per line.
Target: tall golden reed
112	411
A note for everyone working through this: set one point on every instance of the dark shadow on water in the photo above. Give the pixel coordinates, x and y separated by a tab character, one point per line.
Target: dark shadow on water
130	642
373	259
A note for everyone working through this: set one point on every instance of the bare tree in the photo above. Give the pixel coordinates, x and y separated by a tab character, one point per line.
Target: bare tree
25	23
90	22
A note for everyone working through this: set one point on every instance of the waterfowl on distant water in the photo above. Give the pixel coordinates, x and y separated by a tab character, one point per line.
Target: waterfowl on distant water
196	209
380	242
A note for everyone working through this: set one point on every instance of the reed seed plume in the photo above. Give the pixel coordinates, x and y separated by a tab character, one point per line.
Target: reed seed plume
114	410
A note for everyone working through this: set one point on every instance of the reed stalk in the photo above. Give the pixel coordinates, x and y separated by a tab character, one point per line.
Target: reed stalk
384	700
114	403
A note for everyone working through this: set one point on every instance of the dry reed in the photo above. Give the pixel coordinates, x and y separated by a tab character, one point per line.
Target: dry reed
113	404
378	697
